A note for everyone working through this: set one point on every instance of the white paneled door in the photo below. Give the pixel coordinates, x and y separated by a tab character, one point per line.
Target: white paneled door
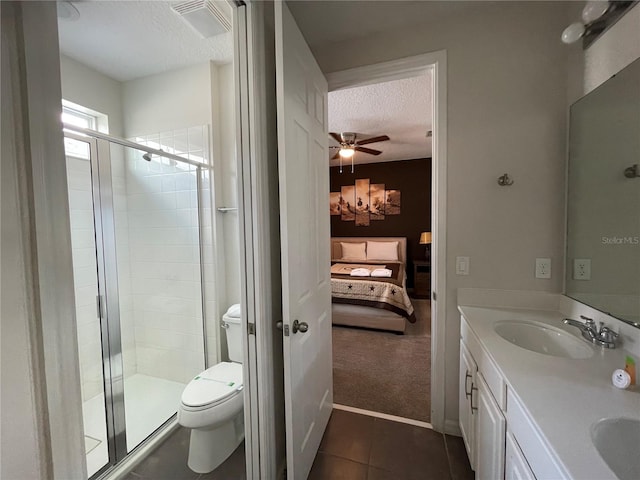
304	187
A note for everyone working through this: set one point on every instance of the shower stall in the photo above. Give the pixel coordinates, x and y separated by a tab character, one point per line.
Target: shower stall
139	218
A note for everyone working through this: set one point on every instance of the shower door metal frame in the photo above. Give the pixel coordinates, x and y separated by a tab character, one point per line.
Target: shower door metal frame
107	304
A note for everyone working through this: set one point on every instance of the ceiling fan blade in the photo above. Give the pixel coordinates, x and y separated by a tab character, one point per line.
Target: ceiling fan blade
381	138
336	137
336	156
370	151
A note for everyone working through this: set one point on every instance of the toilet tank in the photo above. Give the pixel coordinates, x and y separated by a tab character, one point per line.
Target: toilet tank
233	329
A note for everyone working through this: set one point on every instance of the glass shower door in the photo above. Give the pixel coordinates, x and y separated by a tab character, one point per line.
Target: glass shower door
135	224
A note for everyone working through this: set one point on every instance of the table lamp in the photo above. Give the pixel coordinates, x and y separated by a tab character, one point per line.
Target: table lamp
425	239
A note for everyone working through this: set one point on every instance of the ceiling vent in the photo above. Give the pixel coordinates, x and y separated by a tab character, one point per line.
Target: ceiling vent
208	18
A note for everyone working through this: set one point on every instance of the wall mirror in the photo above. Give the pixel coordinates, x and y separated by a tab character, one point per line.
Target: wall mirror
603	199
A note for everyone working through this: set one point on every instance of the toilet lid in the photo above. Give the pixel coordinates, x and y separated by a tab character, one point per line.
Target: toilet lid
214	385
234	311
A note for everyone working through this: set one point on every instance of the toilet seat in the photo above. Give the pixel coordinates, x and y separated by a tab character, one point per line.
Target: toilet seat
213	386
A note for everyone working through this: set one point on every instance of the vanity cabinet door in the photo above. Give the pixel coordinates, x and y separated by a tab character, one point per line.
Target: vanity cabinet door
468	370
490	433
516	466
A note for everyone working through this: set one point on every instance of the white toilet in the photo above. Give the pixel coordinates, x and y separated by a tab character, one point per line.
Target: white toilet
211	404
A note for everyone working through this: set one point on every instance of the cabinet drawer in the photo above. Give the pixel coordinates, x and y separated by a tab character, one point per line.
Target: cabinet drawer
534	449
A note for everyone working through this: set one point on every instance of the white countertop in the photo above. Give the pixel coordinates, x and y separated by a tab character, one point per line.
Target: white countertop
563	396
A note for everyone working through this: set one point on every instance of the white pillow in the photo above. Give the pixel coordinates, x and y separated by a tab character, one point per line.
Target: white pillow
382	251
353	251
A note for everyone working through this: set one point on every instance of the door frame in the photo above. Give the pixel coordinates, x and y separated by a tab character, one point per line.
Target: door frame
260	236
52	326
396	70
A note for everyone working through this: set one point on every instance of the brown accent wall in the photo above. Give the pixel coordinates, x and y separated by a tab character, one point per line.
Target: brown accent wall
413	179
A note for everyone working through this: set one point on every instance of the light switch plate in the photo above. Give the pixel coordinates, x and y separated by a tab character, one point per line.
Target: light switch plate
543	268
462	265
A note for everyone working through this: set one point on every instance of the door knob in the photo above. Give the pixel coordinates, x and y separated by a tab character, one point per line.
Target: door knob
301	327
279	325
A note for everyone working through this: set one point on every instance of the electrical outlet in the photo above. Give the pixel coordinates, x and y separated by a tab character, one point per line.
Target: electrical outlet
543	268
462	265
582	269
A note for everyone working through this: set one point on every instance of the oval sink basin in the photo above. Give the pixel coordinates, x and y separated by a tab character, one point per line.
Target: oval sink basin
617	440
541	338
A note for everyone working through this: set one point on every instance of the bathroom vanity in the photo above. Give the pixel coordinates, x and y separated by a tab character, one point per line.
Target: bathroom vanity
532	391
536	400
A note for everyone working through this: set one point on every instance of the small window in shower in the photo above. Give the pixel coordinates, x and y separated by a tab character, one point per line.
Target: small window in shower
72	147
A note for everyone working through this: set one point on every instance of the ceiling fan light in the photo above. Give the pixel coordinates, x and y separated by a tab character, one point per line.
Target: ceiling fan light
347	152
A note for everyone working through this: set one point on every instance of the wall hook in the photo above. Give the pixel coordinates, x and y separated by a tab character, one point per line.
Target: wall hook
505	180
632	171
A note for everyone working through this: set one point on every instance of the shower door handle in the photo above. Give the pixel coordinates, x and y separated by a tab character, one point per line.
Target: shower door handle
99	303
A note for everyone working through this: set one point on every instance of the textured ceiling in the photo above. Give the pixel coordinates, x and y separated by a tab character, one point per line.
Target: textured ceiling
132	39
401	109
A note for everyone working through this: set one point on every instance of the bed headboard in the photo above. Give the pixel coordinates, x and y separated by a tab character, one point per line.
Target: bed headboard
336	248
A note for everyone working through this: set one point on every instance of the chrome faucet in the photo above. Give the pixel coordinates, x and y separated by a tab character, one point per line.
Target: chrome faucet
604	336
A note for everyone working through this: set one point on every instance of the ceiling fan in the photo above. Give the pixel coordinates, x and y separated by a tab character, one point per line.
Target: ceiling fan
349	145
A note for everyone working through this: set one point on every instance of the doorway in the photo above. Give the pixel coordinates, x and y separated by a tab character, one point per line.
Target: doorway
435	64
381	347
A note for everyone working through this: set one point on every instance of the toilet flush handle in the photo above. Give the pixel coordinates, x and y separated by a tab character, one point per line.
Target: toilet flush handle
224	325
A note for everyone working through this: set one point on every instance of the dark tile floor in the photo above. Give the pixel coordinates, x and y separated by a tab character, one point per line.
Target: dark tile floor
354	447
169	462
359	447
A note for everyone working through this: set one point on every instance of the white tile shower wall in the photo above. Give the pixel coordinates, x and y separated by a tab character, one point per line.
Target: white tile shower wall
165	267
85	275
120	207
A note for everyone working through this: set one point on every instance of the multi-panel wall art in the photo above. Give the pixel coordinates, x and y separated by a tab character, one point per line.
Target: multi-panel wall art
364	202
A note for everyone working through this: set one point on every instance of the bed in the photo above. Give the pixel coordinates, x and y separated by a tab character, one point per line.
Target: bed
381	303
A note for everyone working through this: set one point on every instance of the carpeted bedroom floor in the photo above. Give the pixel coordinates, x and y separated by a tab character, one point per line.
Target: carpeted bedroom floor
385	372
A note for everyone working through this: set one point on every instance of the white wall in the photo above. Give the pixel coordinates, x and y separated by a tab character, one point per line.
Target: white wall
91	89
168	101
506	108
